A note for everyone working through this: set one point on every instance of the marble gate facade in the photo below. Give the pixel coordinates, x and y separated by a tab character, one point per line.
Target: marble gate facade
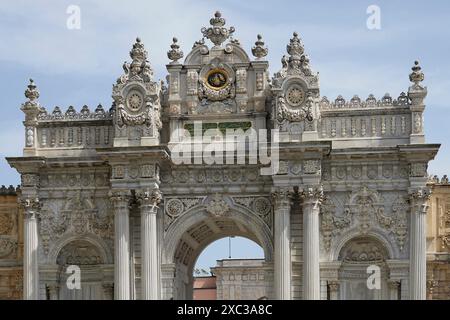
102	189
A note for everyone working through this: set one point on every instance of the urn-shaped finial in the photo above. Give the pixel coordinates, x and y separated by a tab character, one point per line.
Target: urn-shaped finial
416	76
175	52
32	93
259	50
217	33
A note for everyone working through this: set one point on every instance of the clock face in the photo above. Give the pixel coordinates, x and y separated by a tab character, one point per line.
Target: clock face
216	79
295	95
135	100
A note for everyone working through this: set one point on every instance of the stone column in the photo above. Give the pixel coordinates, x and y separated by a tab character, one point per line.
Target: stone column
30	256
418	253
149	201
393	286
282	201
312	197
120	200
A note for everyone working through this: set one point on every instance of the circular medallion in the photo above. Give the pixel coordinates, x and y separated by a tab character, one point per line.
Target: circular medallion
135	100
262	206
216	79
295	95
174	207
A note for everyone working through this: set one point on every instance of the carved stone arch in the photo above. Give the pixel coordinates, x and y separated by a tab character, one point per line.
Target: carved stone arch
218	63
195	56
239	52
134	85
105	253
355	233
198	214
291	80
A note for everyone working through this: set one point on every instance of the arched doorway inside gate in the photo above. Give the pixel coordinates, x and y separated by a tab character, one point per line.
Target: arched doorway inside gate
362	257
200	229
230	268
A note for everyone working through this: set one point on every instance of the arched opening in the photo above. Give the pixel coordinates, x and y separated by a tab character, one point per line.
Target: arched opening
363	274
229	268
206	231
88	258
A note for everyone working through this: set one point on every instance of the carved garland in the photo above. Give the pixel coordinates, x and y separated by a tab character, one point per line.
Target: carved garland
364	208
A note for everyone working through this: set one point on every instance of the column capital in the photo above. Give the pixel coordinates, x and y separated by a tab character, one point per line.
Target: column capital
418	198
149	197
31	206
282	196
312	195
420	194
120	198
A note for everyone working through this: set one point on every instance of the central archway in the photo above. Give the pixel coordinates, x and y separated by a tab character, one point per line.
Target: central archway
186	238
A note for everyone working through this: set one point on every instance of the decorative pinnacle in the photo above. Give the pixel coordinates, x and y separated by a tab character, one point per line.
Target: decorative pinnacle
32	93
138	52
416	75
295	46
175	52
259	51
217	33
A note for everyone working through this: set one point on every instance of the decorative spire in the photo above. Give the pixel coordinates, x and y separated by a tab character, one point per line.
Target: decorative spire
416	75
139	68
32	93
175	52
217	33
259	51
139	56
295	47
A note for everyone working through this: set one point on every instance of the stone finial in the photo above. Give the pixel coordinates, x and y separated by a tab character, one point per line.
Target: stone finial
32	93
416	75
175	52
217	33
295	46
259	50
139	66
217	21
138	52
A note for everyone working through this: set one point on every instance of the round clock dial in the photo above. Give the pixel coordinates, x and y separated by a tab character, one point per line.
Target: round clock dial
295	96
134	101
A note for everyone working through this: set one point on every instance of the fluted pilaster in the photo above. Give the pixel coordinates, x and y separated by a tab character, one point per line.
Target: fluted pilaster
30	256
418	253
283	201
312	197
149	201
120	200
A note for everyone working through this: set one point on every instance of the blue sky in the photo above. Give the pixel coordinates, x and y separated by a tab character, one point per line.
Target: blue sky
78	67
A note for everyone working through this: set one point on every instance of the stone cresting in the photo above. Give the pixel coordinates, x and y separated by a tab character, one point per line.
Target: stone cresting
350	189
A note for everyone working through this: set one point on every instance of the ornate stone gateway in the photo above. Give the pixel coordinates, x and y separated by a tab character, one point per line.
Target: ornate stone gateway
106	191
